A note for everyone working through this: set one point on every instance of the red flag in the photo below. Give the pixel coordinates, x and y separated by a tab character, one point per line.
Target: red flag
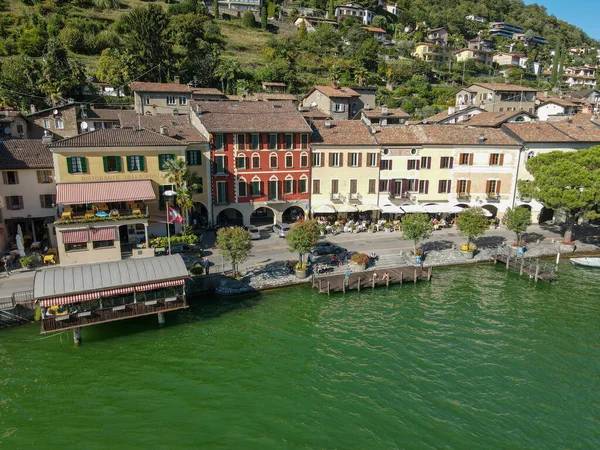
174	216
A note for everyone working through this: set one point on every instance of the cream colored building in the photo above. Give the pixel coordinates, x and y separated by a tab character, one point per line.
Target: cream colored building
497	97
345	168
161	98
110	187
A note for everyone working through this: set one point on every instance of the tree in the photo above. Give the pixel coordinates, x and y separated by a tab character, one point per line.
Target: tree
566	181
331	11
235	244
263	18
226	72
216	14
302	237
271	9
110	68
179	176
20	83
472	223
517	220
416	227
302	33
360	76
61	77
248	20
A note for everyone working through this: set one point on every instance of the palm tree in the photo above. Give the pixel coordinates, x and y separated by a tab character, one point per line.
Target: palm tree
334	74
226	72
185	185
360	76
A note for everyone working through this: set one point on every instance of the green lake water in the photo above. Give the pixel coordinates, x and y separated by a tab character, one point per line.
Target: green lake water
478	358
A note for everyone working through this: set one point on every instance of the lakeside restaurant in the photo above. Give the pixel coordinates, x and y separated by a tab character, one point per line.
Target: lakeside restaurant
76	296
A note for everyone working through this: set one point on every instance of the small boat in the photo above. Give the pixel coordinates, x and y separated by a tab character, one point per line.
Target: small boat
587	262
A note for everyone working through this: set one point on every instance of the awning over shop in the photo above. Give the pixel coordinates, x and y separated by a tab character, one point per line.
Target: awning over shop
408	209
103	234
344	208
391	209
364	208
323	209
442	209
74	236
103	192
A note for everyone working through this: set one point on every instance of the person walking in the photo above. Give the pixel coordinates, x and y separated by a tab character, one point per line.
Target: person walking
206	266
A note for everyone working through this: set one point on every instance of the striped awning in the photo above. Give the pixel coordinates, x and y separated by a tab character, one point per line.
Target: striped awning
103	192
74	236
103	234
159	285
68	299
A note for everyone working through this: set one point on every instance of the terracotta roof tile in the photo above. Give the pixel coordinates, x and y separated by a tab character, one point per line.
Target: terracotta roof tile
263	117
342	132
330	91
505	87
391	112
441	135
159	87
207	91
554	132
104	114
179	127
117	137
493	119
557	101
24	154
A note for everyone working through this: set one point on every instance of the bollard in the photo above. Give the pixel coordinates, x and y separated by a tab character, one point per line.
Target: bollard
429	273
358	284
401	278
415	276
557	260
328	287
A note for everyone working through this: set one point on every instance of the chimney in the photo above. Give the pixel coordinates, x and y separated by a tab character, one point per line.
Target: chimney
32	108
328	124
334	84
47	138
481	139
384	110
164	131
451	110
176	80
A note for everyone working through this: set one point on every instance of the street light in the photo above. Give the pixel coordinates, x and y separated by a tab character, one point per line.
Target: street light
169	196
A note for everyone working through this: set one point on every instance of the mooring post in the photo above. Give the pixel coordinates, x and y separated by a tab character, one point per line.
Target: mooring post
415	276
537	269
161	319
522	264
358	284
508	258
557	261
77	335
429	273
496	256
344	286
328	287
320	286
373	283
401	277
387	282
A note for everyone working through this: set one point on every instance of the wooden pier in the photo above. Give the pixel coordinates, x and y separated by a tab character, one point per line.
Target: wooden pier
533	267
364	280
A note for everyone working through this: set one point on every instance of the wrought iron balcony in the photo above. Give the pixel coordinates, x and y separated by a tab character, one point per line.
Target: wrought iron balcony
354	197
463	196
337	197
492	197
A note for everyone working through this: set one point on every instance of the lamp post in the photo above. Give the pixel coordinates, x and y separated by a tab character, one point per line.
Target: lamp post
169	196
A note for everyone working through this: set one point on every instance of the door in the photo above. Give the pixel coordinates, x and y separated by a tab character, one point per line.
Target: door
273	190
353	186
221	192
398	188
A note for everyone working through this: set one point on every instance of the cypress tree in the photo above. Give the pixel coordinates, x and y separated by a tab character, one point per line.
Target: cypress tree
331	10
263	18
216	9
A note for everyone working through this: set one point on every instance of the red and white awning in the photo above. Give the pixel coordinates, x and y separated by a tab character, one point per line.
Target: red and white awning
159	285
74	236
104	192
103	234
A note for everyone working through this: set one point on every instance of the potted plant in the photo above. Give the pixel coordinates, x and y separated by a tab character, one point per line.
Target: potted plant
418	255
361	260
301	238
520	246
371	229
27	261
416	227
322	228
471	223
517	220
388	226
197	270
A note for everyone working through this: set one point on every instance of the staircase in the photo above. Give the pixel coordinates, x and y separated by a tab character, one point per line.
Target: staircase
18	309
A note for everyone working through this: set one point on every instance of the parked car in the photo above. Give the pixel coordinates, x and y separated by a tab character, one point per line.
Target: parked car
190	261
254	233
186	249
327	248
281	229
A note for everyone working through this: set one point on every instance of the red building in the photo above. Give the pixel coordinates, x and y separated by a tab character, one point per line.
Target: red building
260	154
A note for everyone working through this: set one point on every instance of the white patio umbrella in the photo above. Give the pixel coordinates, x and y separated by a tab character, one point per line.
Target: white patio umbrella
486	213
344	208
413	209
391	209
364	208
20	246
323	209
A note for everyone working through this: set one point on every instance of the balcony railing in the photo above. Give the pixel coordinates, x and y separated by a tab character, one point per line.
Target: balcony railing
492	197
354	197
463	196
70	216
337	197
127	311
393	195
525	199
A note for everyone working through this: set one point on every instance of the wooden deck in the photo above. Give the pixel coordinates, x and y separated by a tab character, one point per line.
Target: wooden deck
364	280
533	267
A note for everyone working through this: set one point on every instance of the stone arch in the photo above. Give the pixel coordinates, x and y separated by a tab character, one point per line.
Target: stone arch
200	215
493	210
263	215
230	217
292	214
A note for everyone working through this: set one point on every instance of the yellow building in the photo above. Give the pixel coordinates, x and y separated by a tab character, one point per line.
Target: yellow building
345	168
428	51
110	189
471	54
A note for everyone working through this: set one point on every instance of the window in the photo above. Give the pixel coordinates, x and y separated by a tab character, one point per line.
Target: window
273	161
304	141
302	185
386	164
220	164
76	246
255	162
335	186
163	158
339	107
304	160
372	182
413	185
200	183
254	142
353	159
425	162
446	162
59	124
444	186
384	185
288	186
242	188
316	186
135	163
44	176
255	188
466	159
463	186
353	186
413	164
47	200
372	159
423	186
334	160
112	163
10	177
529	156
496	159
183	100
397	187
240	141
240	162
316	159
289	160
146	99
222	196
219	142
20	129
272	142
491	187
289	141
103	244
76	164
171	100
193	157
273	190
47	124
14	202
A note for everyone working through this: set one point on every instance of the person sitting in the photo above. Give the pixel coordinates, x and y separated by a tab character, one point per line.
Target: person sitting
333	259
375	276
374	256
436	224
443	223
386	276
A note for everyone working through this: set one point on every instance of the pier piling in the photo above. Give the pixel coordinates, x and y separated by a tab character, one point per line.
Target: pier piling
77	335
161	319
537	269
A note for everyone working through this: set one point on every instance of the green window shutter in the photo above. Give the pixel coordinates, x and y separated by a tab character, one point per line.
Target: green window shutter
84	164
161	197
70	165
161	161
105	161
142	163
129	163
119	164
171	156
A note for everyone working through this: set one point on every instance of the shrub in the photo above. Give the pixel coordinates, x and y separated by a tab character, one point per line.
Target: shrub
248	20
189	239
27	261
301	266
197	270
360	258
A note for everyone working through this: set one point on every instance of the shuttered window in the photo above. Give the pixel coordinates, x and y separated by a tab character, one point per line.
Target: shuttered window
14	202
47	200
77	164
44	176
193	157
10	177
163	158
136	163
316	186
112	164
372	184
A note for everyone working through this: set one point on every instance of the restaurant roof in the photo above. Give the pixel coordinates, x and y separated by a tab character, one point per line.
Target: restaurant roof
65	280
25	154
117	137
103	192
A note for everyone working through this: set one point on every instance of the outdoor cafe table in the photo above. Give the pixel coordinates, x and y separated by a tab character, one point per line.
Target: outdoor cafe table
35	245
102	214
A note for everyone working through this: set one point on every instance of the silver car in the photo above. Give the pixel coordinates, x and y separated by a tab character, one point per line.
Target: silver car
254	233
281	229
